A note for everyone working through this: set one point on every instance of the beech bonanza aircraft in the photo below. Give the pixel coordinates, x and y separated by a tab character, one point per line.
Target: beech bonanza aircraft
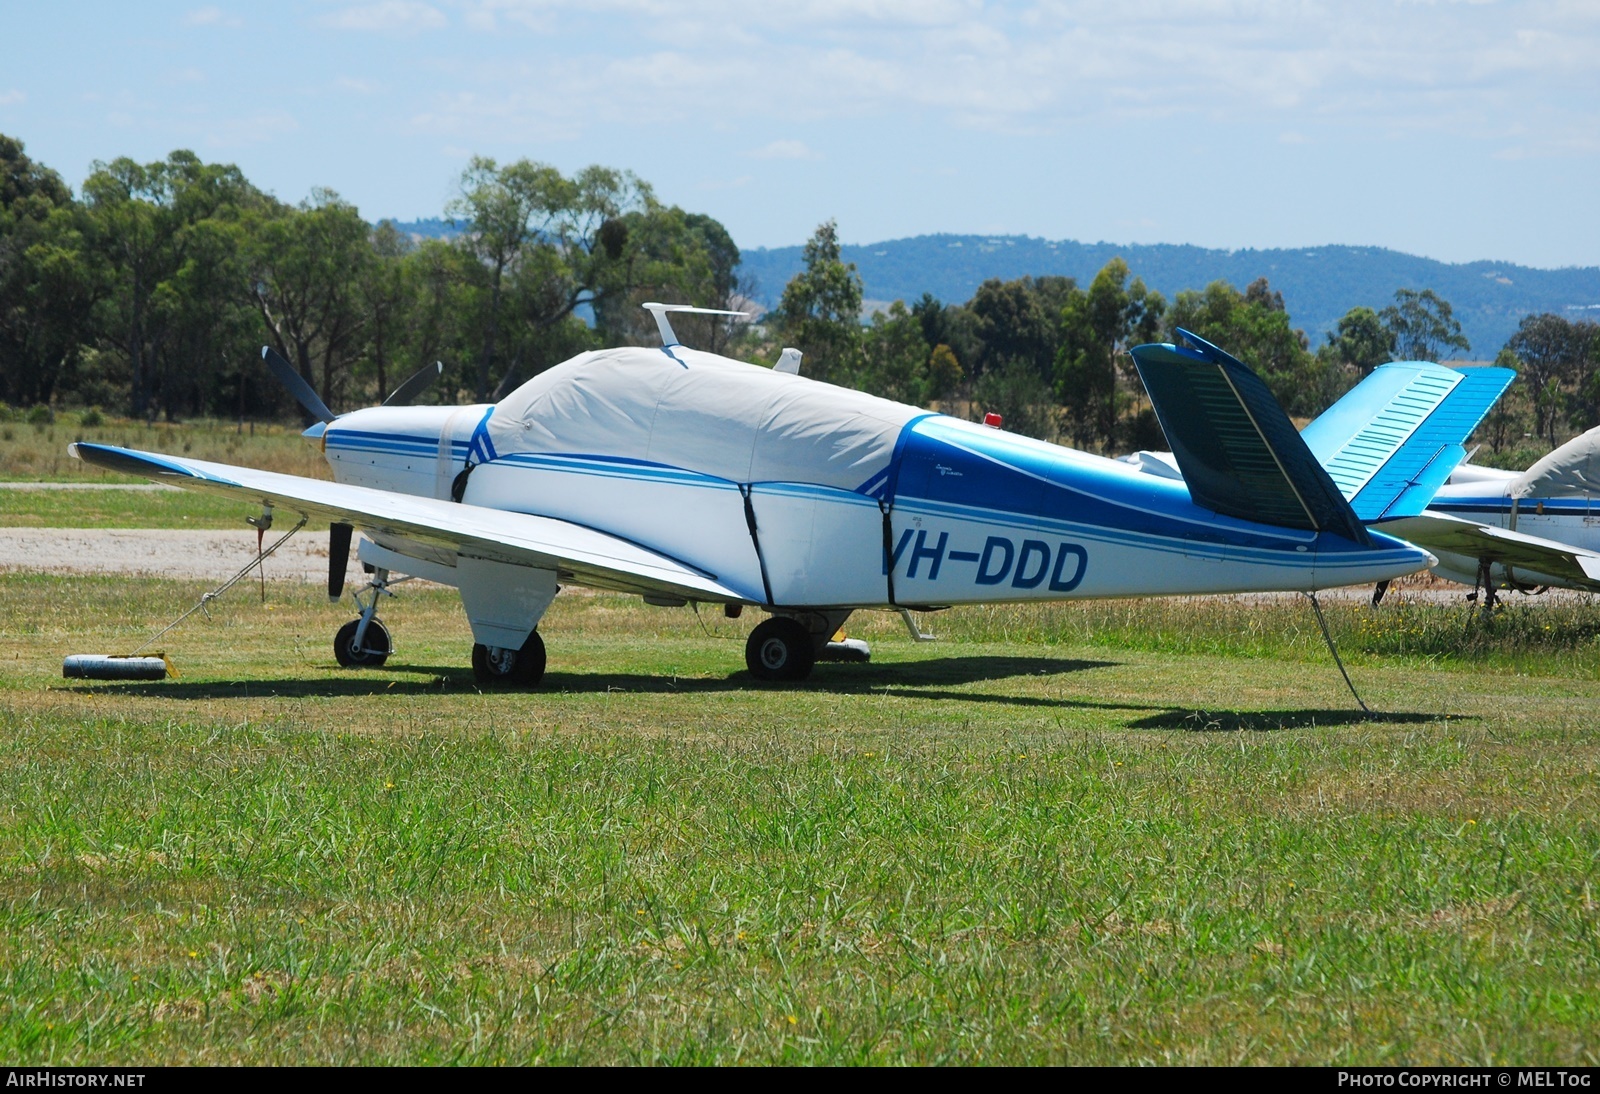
1524	530
683	476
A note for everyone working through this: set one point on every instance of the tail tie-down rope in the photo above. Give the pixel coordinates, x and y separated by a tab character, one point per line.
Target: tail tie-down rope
207	598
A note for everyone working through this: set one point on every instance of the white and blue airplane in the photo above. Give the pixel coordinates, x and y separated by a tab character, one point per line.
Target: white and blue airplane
683	476
1520	530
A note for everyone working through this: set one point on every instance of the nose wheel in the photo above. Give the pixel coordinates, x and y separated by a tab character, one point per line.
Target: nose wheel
499	666
354	650
363	643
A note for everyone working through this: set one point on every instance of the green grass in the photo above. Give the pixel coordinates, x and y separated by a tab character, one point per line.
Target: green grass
113	508
38	453
1100	833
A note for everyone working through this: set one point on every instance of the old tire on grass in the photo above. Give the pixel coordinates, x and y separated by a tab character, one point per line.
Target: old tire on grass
780	650
495	666
372	653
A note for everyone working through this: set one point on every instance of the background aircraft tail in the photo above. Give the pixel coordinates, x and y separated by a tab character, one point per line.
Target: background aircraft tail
1393	439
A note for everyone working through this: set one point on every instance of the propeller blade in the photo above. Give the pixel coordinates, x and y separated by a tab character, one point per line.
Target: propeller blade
338	557
302	391
416	385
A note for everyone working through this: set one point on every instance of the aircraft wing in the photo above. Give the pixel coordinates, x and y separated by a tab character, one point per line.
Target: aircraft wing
581	555
1438	532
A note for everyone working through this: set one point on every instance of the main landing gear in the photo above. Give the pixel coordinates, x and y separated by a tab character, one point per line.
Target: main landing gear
363	643
780	649
496	666
785	648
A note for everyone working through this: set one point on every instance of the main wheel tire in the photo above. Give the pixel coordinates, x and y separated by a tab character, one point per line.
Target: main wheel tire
780	649
496	666
372	653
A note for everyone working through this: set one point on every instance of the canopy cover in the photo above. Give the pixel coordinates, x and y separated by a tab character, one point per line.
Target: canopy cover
1571	471
704	413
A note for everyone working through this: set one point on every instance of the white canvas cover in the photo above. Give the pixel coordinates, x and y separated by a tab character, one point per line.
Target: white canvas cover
705	413
1571	471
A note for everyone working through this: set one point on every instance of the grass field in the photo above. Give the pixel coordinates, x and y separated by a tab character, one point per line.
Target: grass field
38	453
114	508
1098	833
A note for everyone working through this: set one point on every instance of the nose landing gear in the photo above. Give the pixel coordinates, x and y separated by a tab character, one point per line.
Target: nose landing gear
363	643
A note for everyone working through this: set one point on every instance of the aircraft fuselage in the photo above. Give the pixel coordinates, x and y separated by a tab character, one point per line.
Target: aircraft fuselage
962	514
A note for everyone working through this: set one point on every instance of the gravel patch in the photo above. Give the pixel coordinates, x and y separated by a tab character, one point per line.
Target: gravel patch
213	555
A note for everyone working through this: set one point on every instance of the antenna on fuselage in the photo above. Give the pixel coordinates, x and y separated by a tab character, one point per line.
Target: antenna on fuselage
668	337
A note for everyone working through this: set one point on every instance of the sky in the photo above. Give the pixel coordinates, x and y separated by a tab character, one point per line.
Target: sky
1455	129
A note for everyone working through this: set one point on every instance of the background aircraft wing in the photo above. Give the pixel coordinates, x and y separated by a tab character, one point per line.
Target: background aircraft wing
1239	452
1437	532
581	555
1391	441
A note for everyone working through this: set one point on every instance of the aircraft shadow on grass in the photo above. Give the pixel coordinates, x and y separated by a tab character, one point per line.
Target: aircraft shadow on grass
838	679
932	679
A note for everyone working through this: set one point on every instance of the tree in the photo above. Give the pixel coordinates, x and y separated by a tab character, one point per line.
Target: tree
1014	326
1586	336
820	310
134	224
665	254
1550	351
48	282
953	327
307	266
944	373
894	357
1097	327
1422	325
1362	341
386	296
145	225
1505	419
565	243
1254	328
506	210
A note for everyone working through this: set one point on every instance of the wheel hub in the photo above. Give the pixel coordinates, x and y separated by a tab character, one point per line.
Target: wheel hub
774	653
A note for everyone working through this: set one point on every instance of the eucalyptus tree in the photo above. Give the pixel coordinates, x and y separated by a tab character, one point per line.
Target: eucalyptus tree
1550	351
307	265
1362	341
1254	327
1097	327
140	216
562	241
48	280
1423	325
820	310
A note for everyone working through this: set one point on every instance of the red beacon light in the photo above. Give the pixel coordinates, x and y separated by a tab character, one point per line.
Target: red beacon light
993	420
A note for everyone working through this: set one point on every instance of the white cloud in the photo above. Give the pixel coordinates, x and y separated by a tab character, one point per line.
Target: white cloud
1038	68
391	16
211	16
12	97
251	129
784	150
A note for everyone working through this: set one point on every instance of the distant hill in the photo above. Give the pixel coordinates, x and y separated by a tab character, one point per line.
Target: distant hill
428	228
1319	284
